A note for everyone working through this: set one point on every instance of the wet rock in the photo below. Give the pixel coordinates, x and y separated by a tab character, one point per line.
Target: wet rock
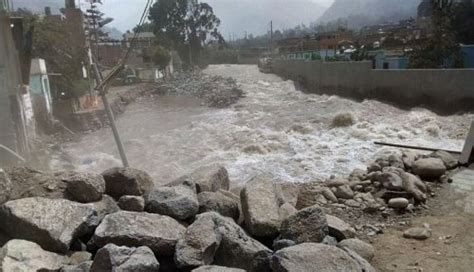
339	229
344	192
236	247
364	265
430	168
260	207
179	202
288	193
85	187
311	256
216	268
220	203
115	258
398	203
199	243
336	182
329	195
52	223
358	174
82	267
396	161
21	255
413	185
79	257
236	198
5	187
282	243
211	178
409	158
307	194
343	120
132	203
362	248
286	210
418	233
448	159
307	225
374	167
120	181
391	181
103	207
123	228
329	240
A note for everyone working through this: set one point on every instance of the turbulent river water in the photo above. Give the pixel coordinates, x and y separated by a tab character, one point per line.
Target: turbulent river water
275	129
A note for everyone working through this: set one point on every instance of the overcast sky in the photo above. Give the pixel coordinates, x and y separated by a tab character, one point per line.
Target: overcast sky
127	12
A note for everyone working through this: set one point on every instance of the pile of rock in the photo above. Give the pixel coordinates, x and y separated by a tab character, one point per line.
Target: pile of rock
394	182
119	221
218	92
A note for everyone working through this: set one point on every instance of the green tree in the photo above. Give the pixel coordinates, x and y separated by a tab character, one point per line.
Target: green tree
161	57
442	48
51	41
463	22
185	25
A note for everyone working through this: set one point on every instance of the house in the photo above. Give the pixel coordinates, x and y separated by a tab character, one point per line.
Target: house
40	93
143	39
388	60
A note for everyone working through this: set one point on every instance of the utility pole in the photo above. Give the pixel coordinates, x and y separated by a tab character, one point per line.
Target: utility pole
271	38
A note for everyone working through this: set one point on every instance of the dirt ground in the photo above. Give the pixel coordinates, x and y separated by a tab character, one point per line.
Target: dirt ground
450	248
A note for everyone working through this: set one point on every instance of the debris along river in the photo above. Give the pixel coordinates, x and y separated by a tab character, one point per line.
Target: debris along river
275	129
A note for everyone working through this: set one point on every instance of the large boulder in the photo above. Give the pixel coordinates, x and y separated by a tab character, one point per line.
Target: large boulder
339	229
199	244
220	203
448	159
211	178
83	267
313	257
132	203
105	206
238	249
52	223
133	229
21	255
216	268
85	187
126	259
429	168
179	202
215	239
120	181
362	248
260	207
307	225
5	187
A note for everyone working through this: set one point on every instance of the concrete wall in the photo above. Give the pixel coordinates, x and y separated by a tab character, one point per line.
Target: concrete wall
444	91
12	119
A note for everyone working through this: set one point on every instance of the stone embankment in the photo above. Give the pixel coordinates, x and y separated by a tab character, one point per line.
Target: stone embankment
120	221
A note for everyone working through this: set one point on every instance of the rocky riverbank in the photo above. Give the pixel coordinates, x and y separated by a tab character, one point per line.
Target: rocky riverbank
216	91
119	219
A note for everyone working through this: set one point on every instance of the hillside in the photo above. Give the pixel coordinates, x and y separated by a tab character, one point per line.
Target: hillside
255	16
365	12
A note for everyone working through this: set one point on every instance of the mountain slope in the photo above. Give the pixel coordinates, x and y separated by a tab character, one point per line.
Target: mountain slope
255	16
365	12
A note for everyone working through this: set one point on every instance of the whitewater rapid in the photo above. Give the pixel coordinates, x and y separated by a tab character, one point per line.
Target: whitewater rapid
275	129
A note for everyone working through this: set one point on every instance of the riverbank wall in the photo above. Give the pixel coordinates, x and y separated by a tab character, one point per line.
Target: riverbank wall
442	90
